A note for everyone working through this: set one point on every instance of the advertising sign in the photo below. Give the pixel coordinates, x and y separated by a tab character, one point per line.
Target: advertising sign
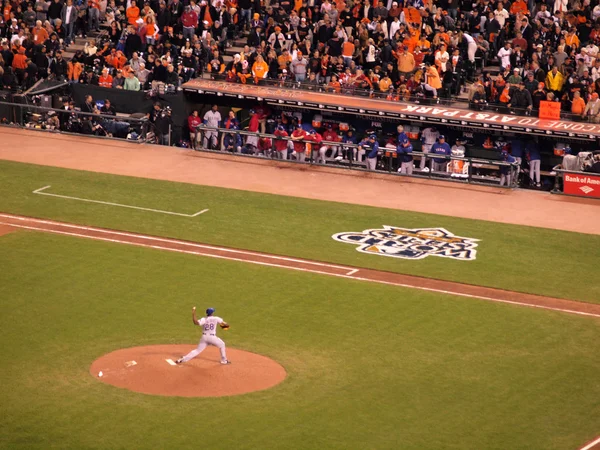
582	185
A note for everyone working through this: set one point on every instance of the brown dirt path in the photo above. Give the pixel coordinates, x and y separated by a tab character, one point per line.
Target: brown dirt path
5	229
348	272
146	370
520	207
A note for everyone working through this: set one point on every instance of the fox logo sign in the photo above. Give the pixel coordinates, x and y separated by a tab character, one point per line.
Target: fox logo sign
411	243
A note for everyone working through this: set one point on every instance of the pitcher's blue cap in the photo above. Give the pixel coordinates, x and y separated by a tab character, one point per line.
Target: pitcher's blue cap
210	311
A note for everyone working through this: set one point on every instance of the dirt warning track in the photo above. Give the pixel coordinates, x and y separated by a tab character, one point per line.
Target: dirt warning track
303	265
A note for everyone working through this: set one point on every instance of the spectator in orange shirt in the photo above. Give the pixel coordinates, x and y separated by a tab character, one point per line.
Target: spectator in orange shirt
133	13
578	104
40	35
116	59
385	83
334	85
105	79
519	6
260	69
348	48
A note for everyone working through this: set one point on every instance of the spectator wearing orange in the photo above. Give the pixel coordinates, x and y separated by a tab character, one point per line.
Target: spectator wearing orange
578	104
385	83
348	49
334	85
40	35
20	59
519	6
433	77
74	70
284	60
116	59
260	69
572	40
105	79
133	13
406	61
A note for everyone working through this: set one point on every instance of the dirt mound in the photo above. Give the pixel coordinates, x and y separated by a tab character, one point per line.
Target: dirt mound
150	370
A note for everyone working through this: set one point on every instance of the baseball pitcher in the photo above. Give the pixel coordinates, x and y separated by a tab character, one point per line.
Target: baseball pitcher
209	335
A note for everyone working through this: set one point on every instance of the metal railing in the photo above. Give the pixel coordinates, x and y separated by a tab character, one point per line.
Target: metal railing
42	118
459	169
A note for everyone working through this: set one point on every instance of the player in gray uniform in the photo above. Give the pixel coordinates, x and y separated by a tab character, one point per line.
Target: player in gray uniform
209	326
212	118
428	138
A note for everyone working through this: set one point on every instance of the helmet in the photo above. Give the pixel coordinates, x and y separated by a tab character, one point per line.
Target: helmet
372	136
252	111
210	311
281	128
312	132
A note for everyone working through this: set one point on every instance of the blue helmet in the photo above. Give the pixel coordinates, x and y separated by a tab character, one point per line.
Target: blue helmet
210	311
281	128
312	132
372	136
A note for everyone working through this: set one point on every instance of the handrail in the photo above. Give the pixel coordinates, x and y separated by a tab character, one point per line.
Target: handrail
383	149
470	177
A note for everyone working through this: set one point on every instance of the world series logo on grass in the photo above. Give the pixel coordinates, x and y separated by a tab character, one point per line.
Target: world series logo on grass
411	243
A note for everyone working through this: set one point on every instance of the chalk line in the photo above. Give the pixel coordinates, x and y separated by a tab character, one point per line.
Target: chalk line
41	190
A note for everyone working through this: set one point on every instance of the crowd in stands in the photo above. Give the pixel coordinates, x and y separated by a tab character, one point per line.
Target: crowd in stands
402	49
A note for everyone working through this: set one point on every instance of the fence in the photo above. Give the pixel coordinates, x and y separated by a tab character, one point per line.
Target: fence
458	169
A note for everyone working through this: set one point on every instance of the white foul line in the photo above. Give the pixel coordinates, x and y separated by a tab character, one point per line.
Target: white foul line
40	192
173	241
591	444
231	258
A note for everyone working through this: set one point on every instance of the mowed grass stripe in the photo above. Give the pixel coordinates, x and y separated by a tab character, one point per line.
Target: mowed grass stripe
533	260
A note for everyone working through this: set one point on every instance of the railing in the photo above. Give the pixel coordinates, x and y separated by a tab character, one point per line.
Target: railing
74	122
458	169
454	101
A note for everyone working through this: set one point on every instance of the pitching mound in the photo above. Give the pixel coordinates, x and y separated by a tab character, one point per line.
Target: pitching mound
151	370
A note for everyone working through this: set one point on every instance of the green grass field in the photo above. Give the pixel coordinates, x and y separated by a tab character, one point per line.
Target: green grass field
369	366
527	259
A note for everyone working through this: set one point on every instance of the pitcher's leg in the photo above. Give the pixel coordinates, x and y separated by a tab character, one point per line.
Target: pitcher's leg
193	353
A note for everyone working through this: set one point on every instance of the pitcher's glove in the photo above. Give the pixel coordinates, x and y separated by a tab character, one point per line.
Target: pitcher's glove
224	326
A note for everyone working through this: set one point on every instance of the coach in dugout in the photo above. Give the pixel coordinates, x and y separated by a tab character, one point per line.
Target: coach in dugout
404	154
371	147
441	147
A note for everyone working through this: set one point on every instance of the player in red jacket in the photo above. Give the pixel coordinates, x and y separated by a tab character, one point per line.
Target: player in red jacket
299	147
281	145
318	150
331	136
194	122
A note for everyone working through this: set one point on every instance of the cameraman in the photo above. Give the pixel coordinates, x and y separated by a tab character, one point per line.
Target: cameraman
163	124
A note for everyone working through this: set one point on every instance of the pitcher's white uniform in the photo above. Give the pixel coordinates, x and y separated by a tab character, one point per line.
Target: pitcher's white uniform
209	327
